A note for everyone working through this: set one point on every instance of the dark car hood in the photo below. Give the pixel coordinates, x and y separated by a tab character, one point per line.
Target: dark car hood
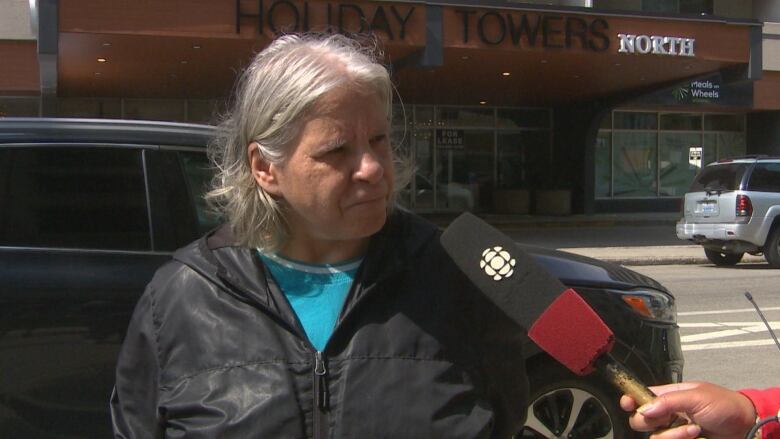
576	270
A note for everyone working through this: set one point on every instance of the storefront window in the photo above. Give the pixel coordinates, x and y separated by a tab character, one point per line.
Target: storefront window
465	117
645	161
636	120
85	107
464	173
724	122
202	111
423	116
154	109
676	171
635	164
604	164
730	144
422	144
709	148
19	106
523	118
463	156
681	121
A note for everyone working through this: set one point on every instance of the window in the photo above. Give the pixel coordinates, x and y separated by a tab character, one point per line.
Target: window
73	198
198	173
635	164
646	154
720	177
636	120
698	7
765	178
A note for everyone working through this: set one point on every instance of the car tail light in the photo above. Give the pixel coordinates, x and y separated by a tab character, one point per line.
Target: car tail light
744	206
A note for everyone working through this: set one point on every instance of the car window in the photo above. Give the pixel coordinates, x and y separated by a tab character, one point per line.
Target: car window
765	178
84	197
720	177
199	172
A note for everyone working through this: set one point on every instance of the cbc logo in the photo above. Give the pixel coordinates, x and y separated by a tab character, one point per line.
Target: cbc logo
497	263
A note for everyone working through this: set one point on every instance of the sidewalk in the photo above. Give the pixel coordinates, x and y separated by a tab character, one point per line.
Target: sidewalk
622	238
653	255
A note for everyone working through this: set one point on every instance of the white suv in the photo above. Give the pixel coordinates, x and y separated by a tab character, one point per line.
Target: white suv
733	208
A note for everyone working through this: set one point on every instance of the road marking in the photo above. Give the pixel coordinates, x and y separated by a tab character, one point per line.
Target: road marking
726	311
725	329
727	345
773	324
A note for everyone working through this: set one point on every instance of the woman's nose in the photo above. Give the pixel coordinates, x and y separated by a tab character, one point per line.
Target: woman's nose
370	168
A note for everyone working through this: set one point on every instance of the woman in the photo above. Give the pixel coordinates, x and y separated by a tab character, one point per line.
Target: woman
317	310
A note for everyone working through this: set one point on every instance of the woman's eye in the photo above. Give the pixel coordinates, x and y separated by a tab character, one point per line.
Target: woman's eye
378	139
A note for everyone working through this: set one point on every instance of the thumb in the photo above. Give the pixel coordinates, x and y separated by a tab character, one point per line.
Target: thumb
684	401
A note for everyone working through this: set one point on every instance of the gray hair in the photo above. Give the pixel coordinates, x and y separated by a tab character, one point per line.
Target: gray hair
272	98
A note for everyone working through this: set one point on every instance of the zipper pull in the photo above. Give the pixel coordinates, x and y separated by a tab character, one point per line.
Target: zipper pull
322	386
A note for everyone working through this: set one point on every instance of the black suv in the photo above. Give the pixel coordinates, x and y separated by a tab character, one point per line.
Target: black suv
90	208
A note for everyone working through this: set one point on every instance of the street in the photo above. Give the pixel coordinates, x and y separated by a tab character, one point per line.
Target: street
723	337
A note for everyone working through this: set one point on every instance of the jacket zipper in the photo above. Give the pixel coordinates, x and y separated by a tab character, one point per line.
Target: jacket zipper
320	397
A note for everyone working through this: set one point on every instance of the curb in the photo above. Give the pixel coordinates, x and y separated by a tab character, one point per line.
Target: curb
639	260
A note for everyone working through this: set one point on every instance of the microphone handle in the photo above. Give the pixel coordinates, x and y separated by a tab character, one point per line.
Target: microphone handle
626	382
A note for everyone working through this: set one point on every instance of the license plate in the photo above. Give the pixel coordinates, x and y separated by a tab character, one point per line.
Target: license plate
708	208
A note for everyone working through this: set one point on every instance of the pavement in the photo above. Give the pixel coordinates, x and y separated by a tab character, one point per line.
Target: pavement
622	238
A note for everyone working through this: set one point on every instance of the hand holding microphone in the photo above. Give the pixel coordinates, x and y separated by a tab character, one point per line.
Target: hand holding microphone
717	412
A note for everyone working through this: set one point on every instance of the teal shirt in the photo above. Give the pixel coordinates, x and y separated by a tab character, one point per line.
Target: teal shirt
316	292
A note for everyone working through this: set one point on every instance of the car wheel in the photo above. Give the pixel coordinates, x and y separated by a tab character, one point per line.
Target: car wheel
565	406
772	248
723	259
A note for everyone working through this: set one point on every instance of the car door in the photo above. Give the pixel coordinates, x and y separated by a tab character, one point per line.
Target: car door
76	251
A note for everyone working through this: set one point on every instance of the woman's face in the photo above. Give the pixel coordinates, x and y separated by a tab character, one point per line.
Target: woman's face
338	178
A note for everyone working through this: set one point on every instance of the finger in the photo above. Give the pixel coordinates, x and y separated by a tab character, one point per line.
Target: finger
627	403
691	431
675	387
641	423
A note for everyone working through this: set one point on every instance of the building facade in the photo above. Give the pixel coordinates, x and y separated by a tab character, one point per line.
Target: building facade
546	107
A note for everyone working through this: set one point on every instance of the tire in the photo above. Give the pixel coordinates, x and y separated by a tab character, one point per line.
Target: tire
564	405
772	248
722	259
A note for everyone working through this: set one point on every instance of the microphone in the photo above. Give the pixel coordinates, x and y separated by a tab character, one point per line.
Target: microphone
556	318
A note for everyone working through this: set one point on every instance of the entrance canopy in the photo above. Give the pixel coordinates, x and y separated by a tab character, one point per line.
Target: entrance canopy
462	55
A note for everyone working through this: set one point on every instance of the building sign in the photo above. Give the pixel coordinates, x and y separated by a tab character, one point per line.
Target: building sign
302	16
694	156
704	91
531	30
656	45
709	90
449	139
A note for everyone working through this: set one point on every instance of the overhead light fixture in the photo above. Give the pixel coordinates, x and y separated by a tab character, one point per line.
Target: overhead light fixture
98	73
101	60
196	46
106	44
505	74
482	102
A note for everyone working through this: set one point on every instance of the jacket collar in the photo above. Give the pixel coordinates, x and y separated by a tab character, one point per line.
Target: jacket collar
238	270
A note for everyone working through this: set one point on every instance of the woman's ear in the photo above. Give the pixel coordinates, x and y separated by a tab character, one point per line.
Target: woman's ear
263	171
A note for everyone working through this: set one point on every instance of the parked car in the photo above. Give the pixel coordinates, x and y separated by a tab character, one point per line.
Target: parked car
90	208
733	208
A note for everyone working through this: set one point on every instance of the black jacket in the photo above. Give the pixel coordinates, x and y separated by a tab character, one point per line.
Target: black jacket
214	350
